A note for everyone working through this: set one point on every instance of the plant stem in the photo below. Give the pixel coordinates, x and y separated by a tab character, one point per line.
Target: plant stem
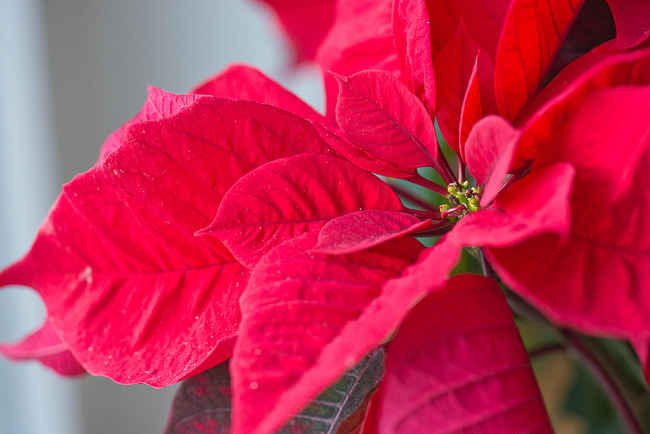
578	344
610	386
546	350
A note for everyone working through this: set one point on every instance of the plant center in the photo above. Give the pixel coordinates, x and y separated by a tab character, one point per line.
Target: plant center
461	200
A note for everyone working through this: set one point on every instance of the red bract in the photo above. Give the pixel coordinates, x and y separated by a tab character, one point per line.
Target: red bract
305	23
132	293
46	347
454	346
437	43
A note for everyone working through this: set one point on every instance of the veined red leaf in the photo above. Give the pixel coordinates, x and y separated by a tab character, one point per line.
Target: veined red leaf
159	104
550	110
361	38
457	364
365	229
45	346
308	318
286	197
245	83
412	32
604	262
241	82
471	109
129	289
532	33
382	116
203	404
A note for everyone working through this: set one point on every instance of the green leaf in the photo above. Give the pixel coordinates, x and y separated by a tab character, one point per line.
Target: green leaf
203	403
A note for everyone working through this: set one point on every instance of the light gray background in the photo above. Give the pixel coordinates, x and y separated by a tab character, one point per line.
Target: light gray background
71	72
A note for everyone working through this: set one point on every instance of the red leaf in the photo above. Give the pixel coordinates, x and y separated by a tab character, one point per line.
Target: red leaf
159	105
364	229
632	19
379	114
308	318
455	64
532	33
361	38
471	110
45	346
305	23
242	82
133	294
488	153
551	109
412	32
287	197
458	365
537	204
602	265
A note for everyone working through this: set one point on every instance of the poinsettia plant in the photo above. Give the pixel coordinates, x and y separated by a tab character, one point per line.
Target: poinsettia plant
303	272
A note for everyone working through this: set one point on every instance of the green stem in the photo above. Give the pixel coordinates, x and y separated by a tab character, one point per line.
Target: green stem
620	391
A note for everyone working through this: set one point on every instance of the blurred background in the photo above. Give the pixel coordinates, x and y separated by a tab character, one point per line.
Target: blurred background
72	71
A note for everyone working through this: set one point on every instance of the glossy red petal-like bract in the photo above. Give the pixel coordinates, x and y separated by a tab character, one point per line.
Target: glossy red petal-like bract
532	33
384	118
298	306
550	110
457	364
45	346
245	83
305	23
364	229
488	153
597	277
412	32
128	287
361	38
159	104
284	198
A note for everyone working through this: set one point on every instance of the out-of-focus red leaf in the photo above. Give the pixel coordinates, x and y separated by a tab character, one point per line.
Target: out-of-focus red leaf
128	288
457	364
488	153
305	23
632	19
412	31
308	318
533	32
361	38
364	229
286	197
45	346
603	264
382	116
